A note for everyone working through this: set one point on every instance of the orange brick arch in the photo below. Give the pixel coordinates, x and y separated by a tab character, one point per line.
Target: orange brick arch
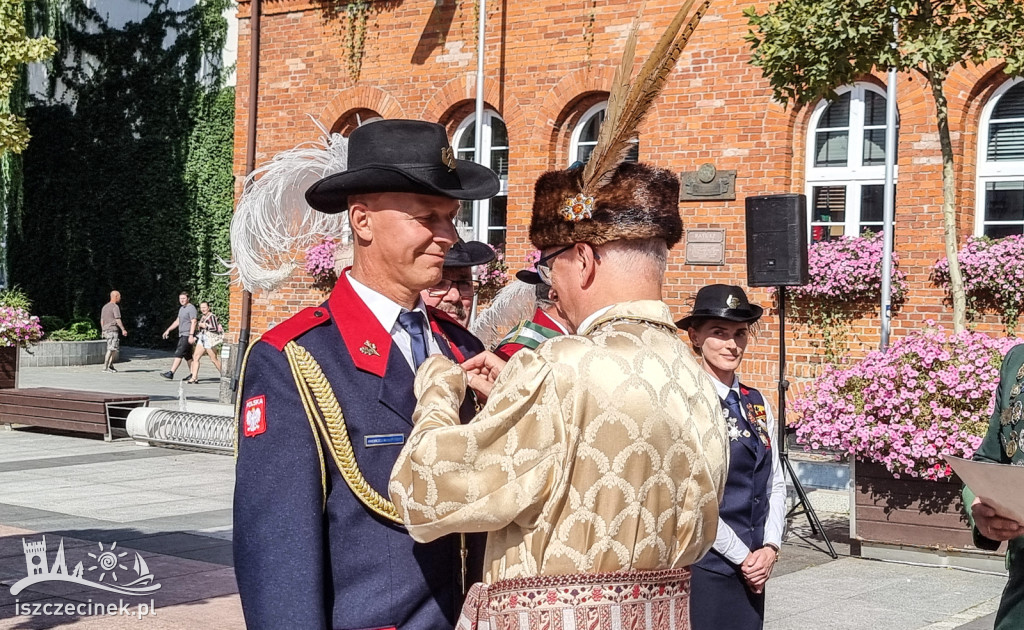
461	89
360	97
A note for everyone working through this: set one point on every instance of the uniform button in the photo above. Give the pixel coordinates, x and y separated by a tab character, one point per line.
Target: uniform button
318	313
757	500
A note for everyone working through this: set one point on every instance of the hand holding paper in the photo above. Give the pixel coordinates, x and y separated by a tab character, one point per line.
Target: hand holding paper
998	509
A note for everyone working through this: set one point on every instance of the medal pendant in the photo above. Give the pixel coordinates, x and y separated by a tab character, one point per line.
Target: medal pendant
1020	372
1016	411
1015	391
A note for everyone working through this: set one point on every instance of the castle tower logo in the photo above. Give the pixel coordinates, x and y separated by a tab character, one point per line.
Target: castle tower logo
108	570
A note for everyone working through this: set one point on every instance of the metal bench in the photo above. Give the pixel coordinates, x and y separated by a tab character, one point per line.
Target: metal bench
69	410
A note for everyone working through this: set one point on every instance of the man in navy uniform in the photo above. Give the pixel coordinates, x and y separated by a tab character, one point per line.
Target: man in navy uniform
327	399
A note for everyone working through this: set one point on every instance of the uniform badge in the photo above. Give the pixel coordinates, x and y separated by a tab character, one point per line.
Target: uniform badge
254	414
1015	391
1015	411
448	158
1020	372
1011	444
384	440
732	429
369	349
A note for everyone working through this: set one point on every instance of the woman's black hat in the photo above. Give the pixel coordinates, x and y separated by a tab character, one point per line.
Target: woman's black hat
722	301
469	254
411	156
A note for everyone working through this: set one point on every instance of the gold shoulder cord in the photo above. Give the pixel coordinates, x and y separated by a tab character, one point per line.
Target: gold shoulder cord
324	411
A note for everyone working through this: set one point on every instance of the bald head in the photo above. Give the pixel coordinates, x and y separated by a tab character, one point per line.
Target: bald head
115	296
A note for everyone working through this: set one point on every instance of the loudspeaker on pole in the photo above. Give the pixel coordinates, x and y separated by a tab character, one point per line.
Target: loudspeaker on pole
777	241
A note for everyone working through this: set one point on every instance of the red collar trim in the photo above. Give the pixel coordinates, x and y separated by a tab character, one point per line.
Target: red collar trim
367	342
434	314
542	318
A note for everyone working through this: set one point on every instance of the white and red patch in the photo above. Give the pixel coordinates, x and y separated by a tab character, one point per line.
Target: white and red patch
254	416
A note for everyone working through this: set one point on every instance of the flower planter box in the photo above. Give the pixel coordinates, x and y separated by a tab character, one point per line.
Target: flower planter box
908	510
912	519
9	357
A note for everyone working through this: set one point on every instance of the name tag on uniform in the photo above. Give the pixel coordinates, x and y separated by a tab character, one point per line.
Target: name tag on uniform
384	440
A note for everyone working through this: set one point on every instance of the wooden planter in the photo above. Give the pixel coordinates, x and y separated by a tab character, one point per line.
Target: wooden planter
9	367
909	511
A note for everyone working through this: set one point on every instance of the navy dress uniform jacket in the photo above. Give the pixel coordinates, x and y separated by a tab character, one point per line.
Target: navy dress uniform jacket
308	553
719	595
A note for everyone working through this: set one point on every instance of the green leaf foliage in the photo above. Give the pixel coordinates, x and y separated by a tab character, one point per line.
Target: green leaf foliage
127	184
808	48
16	50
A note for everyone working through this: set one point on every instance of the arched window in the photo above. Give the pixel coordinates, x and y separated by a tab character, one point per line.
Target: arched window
485	220
584	136
1001	164
846	163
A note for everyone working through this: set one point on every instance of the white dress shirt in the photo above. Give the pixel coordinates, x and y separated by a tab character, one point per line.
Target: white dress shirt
589	321
387	311
727	542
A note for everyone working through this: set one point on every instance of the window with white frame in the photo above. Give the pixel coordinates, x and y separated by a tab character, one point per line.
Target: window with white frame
846	163
1000	187
584	136
484	220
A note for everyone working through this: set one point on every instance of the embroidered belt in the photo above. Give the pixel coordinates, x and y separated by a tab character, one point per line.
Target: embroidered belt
625	600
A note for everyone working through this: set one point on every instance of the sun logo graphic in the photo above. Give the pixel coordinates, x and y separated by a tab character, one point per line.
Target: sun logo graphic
108	562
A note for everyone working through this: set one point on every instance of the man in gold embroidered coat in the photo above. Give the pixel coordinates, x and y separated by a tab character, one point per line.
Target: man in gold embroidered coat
597	453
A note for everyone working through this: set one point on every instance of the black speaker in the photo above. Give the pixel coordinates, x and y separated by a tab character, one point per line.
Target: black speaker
777	241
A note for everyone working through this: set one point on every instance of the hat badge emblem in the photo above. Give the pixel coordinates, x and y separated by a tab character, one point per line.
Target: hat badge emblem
448	158
732	302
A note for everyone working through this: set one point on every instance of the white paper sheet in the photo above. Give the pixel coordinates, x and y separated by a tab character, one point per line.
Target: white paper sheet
999	485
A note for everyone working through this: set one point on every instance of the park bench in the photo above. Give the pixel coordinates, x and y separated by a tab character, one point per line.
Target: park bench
69	410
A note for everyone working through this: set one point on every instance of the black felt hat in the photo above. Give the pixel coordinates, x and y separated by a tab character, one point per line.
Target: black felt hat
411	156
528	276
722	301
469	254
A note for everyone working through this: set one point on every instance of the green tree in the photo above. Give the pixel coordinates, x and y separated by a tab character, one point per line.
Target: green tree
808	48
16	50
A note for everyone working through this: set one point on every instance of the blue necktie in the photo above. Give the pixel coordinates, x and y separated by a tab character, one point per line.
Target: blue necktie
732	403
412	322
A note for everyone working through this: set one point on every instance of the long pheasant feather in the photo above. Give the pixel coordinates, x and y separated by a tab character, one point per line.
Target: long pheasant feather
630	100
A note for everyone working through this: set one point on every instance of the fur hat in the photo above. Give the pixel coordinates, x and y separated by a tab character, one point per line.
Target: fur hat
608	199
640	202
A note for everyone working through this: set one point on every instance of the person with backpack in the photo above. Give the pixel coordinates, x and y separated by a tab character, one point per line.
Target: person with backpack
210	335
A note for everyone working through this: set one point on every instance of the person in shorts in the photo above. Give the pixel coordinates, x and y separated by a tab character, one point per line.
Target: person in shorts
186	324
113	328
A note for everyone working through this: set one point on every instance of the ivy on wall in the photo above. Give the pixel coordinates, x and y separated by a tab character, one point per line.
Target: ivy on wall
127	182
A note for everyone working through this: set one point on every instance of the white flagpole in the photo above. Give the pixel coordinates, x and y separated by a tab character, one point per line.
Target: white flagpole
889	208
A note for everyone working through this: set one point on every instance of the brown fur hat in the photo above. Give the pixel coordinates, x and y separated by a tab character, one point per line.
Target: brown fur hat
640	202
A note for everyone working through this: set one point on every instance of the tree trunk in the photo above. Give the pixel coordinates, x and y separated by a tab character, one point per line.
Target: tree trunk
956	279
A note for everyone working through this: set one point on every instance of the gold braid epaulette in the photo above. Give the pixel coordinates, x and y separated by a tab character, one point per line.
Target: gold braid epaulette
327	415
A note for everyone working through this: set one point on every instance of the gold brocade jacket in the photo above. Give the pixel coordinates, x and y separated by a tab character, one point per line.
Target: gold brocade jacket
595	453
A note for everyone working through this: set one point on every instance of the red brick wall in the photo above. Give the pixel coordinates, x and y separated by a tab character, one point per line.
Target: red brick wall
546	63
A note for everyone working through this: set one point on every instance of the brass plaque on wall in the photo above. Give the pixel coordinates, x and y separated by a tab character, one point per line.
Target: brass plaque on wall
708	184
705	247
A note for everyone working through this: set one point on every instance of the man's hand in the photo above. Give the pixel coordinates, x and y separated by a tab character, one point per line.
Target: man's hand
481	372
124	332
757	568
992	524
166	333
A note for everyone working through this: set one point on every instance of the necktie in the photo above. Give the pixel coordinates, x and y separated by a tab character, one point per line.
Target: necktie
412	322
732	403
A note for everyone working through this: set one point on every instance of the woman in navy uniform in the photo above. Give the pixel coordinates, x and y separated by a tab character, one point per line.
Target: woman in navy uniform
727	587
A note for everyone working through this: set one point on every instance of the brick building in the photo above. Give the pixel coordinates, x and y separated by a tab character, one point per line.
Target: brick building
548	70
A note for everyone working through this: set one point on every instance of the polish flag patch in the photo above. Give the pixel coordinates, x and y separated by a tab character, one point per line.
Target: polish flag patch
254	414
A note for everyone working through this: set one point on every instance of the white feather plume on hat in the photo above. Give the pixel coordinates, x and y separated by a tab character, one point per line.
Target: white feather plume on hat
273	224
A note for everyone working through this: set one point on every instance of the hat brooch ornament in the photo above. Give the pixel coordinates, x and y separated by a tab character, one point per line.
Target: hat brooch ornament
732	302
578	208
448	158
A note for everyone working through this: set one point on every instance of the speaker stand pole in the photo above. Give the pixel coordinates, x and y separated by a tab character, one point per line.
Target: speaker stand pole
803	504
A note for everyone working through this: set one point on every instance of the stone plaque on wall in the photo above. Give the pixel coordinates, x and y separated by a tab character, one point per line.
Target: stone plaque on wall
705	247
708	184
